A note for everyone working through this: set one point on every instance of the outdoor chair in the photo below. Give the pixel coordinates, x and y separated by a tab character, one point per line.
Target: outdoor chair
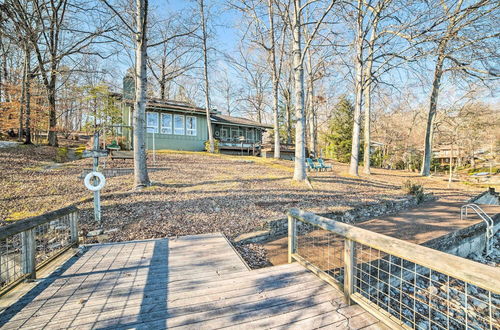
311	166
323	166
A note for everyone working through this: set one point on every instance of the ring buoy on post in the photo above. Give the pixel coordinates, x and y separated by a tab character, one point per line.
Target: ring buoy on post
100	178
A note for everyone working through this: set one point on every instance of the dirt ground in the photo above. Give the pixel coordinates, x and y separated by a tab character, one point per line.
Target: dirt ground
193	193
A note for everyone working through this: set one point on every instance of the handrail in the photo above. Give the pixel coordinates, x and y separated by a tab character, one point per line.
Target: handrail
470	271
29	244
476	208
485	217
29	223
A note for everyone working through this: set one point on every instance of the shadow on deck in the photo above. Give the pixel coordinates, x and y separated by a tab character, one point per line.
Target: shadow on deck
190	282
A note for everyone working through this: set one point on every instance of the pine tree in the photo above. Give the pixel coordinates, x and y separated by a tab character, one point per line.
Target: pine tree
339	136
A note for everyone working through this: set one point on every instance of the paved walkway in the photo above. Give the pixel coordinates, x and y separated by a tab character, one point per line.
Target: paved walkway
427	221
417	225
195	282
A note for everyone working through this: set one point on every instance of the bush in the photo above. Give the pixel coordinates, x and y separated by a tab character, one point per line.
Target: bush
414	189
61	155
216	146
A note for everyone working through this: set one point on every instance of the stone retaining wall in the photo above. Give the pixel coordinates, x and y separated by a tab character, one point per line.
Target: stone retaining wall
279	227
464	241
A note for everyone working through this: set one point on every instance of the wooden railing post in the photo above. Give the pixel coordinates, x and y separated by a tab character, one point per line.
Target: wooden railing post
349	269
28	259
73	222
292	233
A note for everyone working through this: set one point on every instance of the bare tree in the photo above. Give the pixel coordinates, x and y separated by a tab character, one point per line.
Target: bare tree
454	40
140	33
267	37
26	30
205	75
177	52
299	52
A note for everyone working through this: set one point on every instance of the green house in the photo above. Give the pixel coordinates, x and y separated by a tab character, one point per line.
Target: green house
180	126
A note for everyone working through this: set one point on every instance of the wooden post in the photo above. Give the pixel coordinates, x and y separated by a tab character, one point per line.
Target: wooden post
349	269
28	253
73	222
292	234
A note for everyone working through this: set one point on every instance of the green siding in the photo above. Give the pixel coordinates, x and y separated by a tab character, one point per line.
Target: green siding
180	142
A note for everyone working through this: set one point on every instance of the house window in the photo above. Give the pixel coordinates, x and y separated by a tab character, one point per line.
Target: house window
235	134
250	135
191	125
179	124
223	134
166	123
152	122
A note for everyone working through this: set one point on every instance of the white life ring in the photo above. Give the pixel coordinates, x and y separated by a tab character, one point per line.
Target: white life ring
90	176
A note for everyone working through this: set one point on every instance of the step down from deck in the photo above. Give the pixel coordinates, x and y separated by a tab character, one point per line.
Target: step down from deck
189	282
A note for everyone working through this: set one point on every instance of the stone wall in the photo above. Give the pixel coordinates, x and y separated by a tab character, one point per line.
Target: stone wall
279	227
465	241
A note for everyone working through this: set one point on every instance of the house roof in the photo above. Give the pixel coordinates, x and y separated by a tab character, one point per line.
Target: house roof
171	105
185	107
230	120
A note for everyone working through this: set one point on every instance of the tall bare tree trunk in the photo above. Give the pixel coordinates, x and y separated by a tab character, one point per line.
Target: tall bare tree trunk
367	136
368	97
358	86
288	115
298	70
23	96
274	73
205	73
429	132
27	104
141	178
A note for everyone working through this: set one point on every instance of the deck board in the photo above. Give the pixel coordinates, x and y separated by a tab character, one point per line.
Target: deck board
187	283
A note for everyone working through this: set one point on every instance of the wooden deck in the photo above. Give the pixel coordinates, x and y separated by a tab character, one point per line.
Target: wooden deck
196	282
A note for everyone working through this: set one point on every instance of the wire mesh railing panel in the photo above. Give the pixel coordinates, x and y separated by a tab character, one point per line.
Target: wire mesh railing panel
51	237
10	260
420	297
322	248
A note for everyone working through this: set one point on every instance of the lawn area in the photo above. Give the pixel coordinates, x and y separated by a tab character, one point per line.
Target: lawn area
192	193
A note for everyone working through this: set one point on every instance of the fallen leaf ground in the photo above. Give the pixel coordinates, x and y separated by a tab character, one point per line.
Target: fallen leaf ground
192	193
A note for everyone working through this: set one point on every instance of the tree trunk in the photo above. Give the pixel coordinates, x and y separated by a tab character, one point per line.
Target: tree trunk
298	70
141	178
27	105
358	86
368	98
274	73
51	98
429	132
23	97
205	73
367	142
288	115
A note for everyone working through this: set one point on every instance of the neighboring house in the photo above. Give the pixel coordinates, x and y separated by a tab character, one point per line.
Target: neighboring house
458	155
180	126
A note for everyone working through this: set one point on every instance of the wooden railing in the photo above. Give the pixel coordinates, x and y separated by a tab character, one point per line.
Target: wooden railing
404	284
29	244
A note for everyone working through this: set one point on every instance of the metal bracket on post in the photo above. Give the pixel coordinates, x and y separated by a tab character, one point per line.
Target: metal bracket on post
349	269
29	253
292	237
